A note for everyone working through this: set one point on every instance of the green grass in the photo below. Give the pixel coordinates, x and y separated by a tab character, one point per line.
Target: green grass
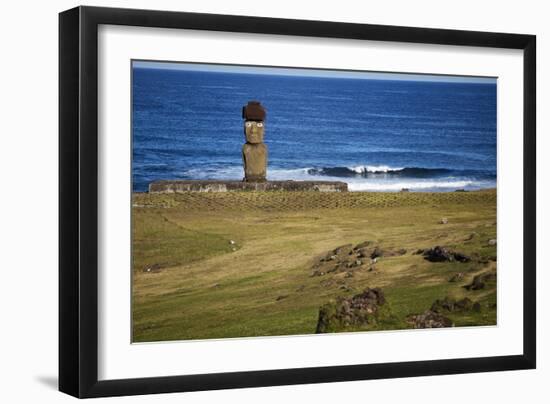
158	240
206	287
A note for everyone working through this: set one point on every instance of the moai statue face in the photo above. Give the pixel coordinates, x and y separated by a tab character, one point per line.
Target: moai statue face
254	131
254	150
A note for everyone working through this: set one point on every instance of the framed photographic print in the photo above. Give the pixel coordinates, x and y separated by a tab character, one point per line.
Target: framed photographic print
251	201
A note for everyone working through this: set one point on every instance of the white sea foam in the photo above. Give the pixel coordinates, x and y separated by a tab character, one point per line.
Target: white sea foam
289	174
374	169
354	184
410	185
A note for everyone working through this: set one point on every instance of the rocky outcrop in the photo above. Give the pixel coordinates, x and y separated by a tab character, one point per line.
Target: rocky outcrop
343	258
429	319
348	258
354	312
434	318
442	254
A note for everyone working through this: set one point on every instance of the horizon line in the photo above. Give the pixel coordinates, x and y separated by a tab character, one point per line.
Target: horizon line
309	72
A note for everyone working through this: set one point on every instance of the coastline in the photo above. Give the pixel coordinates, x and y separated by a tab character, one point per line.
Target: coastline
402	191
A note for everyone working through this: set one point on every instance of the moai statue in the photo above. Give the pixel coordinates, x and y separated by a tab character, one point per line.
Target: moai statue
254	150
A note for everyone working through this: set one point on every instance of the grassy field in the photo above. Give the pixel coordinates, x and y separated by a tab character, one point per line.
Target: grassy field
239	264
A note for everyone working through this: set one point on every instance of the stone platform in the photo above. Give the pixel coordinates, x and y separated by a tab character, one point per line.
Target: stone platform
174	186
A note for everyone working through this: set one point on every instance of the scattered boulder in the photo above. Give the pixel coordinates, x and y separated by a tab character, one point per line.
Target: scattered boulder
443	220
360	310
281	297
481	280
340	259
442	254
300	288
346	258
493	241
429	319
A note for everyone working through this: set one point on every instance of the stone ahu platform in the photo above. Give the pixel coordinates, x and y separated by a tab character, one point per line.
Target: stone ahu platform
160	187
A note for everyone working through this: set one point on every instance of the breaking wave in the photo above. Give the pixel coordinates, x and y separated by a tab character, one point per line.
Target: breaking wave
380	171
364	177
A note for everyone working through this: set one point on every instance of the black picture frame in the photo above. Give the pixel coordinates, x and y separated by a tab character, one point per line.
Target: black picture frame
78	201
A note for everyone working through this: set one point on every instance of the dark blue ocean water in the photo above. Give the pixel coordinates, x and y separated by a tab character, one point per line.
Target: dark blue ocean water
373	134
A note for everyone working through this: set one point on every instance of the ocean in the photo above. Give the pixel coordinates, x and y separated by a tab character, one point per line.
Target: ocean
376	135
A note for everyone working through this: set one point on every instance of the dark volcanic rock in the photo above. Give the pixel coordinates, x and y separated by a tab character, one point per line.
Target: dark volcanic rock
378	252
442	254
480	281
340	259
429	319
346	258
363	252
359	310
343	250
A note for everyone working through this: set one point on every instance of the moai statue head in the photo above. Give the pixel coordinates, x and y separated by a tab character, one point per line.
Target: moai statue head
254	150
254	117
